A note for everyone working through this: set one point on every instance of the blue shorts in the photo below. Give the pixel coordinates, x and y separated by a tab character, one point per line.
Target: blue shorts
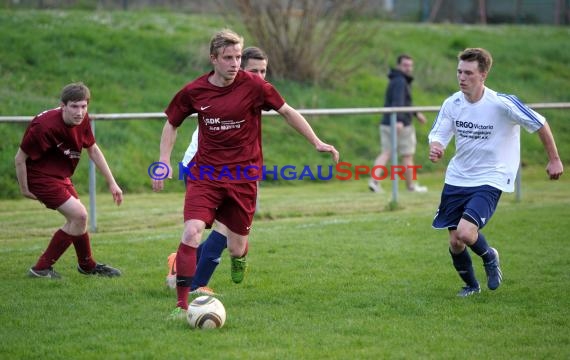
477	204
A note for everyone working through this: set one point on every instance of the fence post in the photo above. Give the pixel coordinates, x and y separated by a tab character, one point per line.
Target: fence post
257	206
518	185
92	191
394	160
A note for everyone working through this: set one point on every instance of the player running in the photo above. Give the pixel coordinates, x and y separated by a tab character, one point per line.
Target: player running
228	101
486	125
209	253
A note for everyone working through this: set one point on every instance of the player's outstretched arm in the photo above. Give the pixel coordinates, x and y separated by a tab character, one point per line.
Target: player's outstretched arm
299	123
99	159
436	151
22	173
554	168
167	140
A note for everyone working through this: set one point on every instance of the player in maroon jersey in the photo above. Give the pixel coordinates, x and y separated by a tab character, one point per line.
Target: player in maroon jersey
229	103
47	158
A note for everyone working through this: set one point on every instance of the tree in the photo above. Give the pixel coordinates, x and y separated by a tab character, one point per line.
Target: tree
305	40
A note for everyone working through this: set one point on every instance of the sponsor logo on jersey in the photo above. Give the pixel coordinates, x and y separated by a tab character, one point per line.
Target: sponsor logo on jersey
470	125
212	121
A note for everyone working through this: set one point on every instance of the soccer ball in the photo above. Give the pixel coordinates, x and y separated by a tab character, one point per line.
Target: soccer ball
206	312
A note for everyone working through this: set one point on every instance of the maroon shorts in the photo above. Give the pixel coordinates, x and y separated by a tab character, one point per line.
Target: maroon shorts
52	192
233	204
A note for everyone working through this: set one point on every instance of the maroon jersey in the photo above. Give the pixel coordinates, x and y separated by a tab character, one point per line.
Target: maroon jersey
229	119
54	148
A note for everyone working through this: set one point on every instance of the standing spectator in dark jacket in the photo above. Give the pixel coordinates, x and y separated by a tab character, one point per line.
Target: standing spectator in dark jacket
399	94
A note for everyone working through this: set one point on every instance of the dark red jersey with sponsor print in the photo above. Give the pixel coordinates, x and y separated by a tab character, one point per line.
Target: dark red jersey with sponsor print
54	148
229	120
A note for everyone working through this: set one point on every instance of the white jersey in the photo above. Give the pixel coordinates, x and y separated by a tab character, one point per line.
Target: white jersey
192	149
487	138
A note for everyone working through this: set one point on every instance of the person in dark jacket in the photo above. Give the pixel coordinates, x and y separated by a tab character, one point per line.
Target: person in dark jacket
399	94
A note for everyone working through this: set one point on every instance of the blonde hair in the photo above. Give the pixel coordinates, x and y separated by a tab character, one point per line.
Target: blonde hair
222	39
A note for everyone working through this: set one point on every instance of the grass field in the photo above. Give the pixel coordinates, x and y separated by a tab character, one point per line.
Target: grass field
333	275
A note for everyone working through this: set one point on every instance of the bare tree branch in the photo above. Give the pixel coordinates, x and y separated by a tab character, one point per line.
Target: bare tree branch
304	39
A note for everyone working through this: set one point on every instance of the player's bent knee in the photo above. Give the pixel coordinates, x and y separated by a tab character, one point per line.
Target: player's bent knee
191	238
466	236
77	217
467	231
456	245
192	233
81	216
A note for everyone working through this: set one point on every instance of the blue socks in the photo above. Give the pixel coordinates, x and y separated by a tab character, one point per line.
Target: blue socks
464	267
481	248
209	254
462	261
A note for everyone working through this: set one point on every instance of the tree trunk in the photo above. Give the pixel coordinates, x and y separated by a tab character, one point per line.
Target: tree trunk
483	11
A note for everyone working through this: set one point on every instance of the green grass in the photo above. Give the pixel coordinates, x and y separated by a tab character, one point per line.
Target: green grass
333	275
135	61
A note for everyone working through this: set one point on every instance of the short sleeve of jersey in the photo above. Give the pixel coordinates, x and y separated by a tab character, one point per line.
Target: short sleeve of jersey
442	130
179	108
522	114
273	100
36	141
88	137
